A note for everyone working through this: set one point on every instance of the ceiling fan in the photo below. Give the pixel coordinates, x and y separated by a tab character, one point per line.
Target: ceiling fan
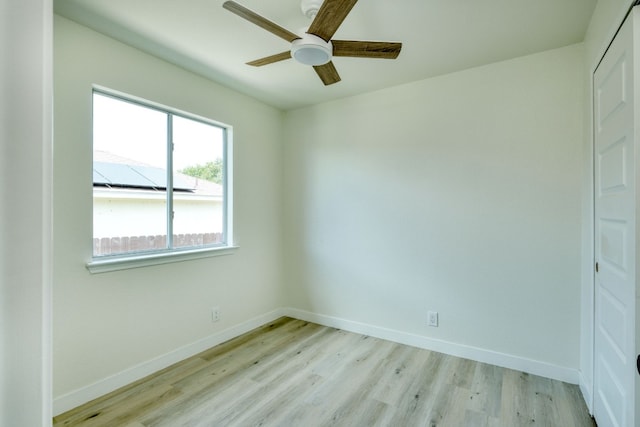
315	47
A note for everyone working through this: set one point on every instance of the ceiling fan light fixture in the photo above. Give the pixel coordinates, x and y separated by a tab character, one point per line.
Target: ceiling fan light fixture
311	50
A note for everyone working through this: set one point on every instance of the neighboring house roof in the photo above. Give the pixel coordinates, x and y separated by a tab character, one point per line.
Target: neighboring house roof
112	171
134	176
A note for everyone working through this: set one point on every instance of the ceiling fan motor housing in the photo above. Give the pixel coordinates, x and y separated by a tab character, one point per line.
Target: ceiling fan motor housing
311	50
310	7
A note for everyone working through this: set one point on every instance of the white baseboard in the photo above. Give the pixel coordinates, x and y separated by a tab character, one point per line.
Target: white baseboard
460	350
85	394
92	391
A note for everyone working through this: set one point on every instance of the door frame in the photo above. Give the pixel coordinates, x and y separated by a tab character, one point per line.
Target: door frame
587	346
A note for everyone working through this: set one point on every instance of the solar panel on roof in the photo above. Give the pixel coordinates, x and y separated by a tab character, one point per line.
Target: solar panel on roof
98	178
134	176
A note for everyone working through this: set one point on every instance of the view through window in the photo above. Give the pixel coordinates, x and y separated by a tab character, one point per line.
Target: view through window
159	179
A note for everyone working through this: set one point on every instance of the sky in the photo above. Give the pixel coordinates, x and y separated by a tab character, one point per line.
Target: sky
140	133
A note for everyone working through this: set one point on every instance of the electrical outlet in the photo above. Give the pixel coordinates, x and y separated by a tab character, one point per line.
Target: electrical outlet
215	314
432	318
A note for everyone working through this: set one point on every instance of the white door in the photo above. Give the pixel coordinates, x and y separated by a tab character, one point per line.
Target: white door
615	232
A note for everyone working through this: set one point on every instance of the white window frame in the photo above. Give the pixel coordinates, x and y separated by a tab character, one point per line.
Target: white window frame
106	263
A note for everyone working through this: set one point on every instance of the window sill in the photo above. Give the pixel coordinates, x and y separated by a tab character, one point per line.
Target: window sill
106	264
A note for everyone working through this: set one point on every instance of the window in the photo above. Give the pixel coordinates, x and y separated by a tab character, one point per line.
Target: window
160	180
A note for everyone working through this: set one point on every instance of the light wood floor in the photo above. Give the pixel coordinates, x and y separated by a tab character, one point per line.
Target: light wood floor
295	373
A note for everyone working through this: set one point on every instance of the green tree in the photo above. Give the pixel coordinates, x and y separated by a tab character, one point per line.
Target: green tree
210	171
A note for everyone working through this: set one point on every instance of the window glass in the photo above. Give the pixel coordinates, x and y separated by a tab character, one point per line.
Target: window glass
198	183
156	173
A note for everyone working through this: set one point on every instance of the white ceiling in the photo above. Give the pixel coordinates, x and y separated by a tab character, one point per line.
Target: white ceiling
438	36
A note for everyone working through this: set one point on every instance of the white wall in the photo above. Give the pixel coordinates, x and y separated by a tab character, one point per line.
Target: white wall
460	194
25	212
607	17
107	323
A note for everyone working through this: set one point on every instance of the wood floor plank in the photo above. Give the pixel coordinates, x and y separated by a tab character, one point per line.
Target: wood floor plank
369	412
224	372
274	403
394	383
414	407
475	419
363	376
295	373
571	405
90	413
326	404
295	379
277	382
487	390
253	337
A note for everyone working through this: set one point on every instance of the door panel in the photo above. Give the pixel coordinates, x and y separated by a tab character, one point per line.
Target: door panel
613	90
613	239
615	234
612	160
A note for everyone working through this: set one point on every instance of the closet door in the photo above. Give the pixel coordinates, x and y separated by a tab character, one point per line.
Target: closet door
615	232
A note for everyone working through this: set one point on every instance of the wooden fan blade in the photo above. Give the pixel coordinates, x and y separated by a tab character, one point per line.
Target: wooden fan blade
327	73
329	18
270	59
366	49
253	17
